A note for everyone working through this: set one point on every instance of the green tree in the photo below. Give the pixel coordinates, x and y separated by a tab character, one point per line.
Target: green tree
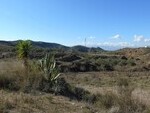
23	49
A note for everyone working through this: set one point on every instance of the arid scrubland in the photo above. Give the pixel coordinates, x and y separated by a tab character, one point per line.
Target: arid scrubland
101	92
109	82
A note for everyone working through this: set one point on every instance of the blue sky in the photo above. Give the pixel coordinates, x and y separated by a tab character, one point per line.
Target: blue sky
104	23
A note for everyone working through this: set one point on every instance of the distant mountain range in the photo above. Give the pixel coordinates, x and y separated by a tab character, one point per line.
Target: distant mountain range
47	45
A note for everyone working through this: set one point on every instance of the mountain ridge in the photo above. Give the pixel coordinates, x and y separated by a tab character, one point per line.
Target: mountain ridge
49	45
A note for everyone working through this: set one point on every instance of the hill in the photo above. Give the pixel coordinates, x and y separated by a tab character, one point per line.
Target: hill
5	45
83	59
34	43
87	49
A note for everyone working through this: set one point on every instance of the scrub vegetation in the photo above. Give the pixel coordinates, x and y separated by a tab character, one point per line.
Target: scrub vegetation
43	80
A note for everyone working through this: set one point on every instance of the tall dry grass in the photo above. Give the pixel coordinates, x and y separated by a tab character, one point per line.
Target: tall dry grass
13	75
123	101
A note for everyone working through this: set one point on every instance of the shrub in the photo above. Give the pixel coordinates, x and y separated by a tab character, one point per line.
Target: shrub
48	66
125	102
106	64
23	49
122	82
122	102
9	82
106	101
123	63
131	62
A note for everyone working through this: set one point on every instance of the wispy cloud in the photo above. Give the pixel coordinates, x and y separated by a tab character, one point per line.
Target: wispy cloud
147	40
117	36
119	44
141	38
138	38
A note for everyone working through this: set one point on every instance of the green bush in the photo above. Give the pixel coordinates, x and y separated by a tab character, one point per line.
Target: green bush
123	62
48	67
131	62
105	64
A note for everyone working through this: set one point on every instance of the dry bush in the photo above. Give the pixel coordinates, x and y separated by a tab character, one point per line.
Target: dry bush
126	102
122	102
106	101
13	76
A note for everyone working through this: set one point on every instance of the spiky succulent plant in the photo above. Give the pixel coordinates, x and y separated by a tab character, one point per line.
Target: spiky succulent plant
48	66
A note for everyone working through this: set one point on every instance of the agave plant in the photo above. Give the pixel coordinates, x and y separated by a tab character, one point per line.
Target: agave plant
48	66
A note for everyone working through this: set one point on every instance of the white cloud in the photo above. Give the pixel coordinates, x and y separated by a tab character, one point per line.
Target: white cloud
126	44
117	36
138	41
147	40
141	38
119	44
138	38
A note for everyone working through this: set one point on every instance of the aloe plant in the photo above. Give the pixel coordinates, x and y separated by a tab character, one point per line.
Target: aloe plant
48	66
